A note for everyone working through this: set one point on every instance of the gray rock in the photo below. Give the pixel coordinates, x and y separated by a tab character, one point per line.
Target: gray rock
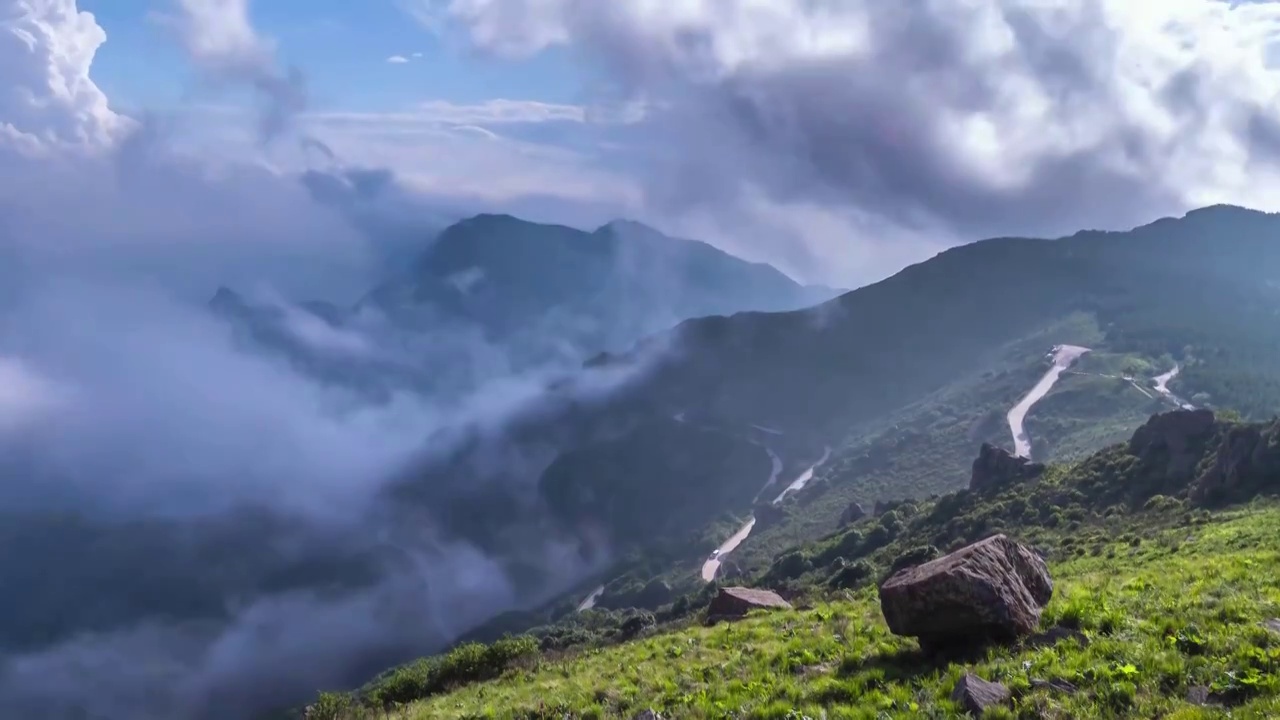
1061	686
1198	695
1174	439
996	467
646	715
976	695
852	514
992	590
734	602
1273	625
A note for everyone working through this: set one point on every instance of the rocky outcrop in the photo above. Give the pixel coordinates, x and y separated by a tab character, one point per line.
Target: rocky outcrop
975	695
1246	460
734	602
1173	441
996	467
992	590
852	514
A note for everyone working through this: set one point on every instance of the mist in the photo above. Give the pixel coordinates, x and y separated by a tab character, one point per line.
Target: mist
193	525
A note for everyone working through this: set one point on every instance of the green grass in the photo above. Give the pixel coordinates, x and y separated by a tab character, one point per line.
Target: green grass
1180	608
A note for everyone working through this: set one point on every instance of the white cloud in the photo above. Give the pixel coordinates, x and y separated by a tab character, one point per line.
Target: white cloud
397	59
46	47
219	37
959	119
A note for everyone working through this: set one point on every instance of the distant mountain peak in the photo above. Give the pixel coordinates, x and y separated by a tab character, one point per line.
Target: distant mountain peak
625	225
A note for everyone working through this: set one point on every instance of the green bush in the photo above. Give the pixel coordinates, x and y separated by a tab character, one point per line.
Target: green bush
466	663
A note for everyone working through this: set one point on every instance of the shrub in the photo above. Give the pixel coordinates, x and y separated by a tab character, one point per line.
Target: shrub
914	556
466	663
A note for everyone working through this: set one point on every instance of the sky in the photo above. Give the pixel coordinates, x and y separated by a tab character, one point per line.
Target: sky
839	141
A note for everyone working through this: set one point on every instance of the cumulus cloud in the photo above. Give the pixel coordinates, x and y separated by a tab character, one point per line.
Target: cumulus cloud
46	47
957	119
397	59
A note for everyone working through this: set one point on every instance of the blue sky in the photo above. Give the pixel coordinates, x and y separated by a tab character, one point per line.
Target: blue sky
341	45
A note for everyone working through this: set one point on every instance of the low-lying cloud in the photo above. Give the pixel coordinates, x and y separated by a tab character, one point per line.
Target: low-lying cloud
203	523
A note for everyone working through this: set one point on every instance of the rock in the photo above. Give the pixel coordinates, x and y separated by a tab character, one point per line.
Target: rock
976	695
992	590
1174	439
852	514
734	602
1247	458
1273	625
1061	686
646	715
996	467
1198	695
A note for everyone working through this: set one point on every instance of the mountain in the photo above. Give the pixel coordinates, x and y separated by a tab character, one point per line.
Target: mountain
625	473
903	378
495	294
1163	604
542	286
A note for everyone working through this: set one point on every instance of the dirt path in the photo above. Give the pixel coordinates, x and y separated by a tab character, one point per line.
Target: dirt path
1162	387
1063	357
590	600
712	565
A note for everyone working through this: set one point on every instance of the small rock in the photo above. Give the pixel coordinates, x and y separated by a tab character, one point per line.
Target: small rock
734	602
1061	686
1273	625
646	715
976	695
1198	695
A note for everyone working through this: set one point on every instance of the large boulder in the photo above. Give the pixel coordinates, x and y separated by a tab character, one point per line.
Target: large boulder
992	590
1173	441
996	467
734	602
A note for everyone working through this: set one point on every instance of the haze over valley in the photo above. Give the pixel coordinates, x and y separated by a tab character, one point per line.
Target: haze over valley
333	336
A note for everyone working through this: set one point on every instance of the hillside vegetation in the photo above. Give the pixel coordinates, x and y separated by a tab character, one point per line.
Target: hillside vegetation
1165	586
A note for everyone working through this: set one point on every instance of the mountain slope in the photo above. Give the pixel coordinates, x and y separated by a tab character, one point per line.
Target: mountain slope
1165	592
849	371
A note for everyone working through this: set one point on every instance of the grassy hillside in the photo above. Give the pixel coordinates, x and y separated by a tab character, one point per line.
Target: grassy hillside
1164	583
1177	608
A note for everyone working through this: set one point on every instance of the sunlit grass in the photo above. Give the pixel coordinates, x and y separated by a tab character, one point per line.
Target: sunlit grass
1183	609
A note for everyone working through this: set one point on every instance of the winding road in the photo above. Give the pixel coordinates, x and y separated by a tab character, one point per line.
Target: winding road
1063	357
1162	387
590	600
712	565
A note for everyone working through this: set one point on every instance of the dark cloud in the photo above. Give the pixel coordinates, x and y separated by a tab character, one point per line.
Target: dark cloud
967	119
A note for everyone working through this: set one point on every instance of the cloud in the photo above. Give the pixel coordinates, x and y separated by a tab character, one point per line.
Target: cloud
146	422
397	59
221	41
952	120
46	47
